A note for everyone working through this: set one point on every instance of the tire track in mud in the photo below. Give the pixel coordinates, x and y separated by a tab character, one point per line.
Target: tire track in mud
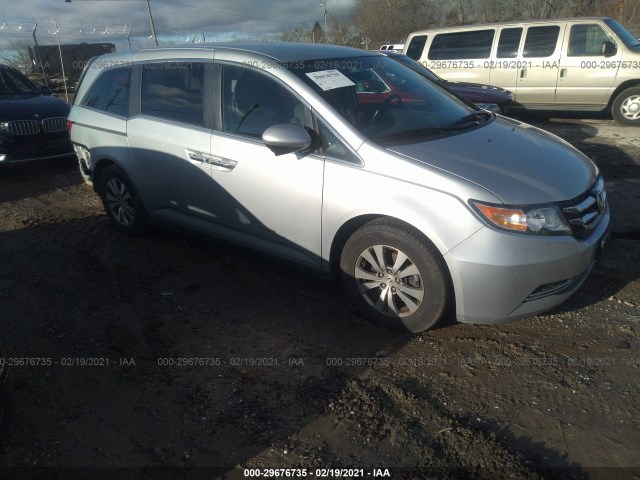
452	446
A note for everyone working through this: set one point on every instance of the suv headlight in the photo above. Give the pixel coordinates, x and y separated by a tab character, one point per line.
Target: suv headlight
4	126
539	220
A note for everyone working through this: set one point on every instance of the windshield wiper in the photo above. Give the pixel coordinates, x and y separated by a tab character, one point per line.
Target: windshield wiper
474	118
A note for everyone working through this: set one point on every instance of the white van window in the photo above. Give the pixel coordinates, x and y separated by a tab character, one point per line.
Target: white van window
509	43
462	45
416	46
541	41
586	40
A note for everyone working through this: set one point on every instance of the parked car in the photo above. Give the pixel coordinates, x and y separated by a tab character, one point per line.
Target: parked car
574	64
392	46
414	205
33	124
6	399
488	97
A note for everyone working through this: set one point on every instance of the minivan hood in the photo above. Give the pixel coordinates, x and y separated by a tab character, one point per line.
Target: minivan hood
518	163
25	107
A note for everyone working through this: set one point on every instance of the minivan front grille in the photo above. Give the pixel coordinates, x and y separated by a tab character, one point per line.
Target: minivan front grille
585	214
23	127
55	124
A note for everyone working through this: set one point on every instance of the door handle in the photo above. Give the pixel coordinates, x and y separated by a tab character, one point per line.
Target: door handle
217	163
196	157
563	73
523	73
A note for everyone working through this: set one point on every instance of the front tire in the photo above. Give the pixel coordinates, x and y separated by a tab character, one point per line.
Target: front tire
625	109
121	201
394	276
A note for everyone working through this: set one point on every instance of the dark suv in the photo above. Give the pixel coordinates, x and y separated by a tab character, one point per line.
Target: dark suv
33	124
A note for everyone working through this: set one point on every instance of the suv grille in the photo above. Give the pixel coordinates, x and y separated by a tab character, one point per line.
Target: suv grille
24	127
33	127
55	124
585	214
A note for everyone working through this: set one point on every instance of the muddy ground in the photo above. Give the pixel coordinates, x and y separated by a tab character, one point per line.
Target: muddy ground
169	356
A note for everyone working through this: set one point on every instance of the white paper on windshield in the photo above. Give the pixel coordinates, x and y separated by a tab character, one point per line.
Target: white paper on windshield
330	79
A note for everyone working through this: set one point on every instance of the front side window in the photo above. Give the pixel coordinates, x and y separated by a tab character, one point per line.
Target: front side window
541	41
586	40
110	92
509	43
462	45
174	91
253	102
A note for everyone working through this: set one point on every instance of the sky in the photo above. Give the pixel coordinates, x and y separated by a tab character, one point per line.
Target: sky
220	19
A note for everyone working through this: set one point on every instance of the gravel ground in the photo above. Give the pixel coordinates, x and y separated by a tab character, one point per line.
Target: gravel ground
169	356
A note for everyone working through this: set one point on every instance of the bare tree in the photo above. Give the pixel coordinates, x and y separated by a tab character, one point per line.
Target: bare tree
15	53
390	21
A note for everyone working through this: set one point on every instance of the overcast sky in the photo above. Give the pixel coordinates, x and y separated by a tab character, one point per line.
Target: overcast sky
221	18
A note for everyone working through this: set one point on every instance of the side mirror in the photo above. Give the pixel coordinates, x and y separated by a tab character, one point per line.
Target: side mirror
286	138
46	90
609	49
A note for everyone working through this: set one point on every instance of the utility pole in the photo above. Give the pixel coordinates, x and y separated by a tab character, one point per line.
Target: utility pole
326	30
153	27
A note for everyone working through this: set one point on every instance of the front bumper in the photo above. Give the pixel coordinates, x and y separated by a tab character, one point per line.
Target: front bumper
501	276
17	149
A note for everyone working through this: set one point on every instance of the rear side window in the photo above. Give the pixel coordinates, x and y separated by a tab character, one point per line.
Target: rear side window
174	91
110	92
462	45
586	40
416	46
509	42
541	41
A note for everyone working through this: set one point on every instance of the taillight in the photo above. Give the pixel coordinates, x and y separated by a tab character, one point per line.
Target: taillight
69	125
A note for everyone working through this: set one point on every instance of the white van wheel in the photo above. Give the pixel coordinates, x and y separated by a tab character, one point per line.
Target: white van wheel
626	107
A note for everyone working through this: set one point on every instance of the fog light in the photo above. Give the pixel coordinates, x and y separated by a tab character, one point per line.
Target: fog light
2	157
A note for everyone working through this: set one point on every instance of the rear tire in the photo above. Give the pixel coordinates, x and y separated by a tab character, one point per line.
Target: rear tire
625	108
394	276
121	201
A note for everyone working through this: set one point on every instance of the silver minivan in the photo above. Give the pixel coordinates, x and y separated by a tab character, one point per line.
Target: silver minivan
414	198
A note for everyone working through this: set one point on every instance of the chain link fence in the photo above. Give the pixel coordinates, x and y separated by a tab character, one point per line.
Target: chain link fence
54	56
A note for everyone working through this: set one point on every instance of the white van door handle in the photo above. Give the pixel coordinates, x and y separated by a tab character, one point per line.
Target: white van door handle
563	73
523	73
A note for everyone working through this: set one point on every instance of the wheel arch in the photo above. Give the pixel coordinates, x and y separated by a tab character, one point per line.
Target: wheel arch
353	224
620	88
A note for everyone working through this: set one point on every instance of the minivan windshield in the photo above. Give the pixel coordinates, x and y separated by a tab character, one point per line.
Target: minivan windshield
385	100
13	82
629	40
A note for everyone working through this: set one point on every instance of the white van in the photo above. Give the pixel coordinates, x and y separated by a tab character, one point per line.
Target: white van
581	64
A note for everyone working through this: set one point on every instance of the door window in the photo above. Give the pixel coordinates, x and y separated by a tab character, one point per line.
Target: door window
541	41
586	40
174	91
509	43
110	92
253	102
460	45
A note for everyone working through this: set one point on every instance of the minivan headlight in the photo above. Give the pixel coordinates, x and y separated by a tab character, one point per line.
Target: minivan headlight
540	220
